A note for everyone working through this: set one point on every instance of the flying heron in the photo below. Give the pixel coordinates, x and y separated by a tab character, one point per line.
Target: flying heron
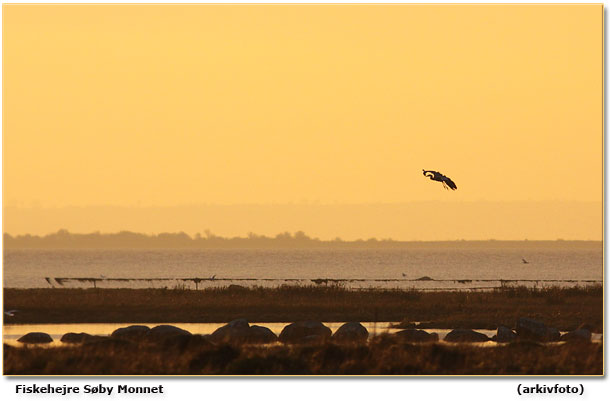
436	176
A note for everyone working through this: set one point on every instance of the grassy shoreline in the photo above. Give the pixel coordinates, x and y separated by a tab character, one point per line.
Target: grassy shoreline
563	308
380	356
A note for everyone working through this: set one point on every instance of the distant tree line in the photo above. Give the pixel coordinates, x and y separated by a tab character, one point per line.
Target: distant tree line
63	239
127	239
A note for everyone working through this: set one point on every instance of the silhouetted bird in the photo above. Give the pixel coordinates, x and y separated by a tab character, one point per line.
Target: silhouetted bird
436	176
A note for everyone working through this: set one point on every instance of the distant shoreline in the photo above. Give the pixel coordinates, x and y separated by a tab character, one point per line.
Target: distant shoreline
63	239
403	221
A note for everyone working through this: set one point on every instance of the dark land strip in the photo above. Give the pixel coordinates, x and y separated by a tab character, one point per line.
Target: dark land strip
562	308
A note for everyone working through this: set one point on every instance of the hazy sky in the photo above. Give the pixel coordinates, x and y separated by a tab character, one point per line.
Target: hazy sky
158	105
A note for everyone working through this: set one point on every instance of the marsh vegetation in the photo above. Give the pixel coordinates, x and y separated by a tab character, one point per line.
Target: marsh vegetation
562	308
383	355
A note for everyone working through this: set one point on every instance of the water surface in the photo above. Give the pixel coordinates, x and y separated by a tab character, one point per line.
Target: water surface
448	267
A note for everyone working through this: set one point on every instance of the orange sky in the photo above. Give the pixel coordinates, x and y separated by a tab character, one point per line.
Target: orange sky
159	105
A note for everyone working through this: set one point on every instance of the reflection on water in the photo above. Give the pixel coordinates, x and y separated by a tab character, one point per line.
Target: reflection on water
14	331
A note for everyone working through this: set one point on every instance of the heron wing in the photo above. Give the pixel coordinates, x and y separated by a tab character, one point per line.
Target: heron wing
450	183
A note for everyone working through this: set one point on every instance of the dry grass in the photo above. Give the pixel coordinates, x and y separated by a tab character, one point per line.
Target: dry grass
381	356
564	309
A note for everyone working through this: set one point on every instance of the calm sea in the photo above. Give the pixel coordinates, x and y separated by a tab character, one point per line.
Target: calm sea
427	267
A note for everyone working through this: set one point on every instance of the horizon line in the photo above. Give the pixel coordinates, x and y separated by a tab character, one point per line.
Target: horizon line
312	202
298	235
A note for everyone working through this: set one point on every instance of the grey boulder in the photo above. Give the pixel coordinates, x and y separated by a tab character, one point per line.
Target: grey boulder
35	338
76	338
504	335
416	336
577	335
465	336
302	332
134	332
534	330
530	329
239	331
165	331
552	334
261	335
351	332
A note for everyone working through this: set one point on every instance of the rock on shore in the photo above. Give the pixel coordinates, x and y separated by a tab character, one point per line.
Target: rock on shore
351	332
239	331
534	330
165	331
416	336
35	338
77	338
465	336
577	335
305	332
504	335
134	332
